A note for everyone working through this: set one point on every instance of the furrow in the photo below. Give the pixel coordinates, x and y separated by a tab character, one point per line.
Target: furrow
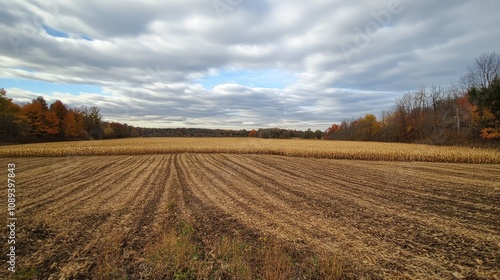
57	190
246	202
429	202
378	219
98	185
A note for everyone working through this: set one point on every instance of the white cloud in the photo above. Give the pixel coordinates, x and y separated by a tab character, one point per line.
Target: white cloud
148	56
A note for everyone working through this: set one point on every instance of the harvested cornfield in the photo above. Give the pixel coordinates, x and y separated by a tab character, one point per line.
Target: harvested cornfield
249	216
284	147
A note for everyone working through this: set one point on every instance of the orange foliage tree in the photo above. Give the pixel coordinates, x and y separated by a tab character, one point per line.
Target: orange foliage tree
486	109
10	123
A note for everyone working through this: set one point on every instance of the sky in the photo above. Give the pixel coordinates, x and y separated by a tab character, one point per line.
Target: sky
238	64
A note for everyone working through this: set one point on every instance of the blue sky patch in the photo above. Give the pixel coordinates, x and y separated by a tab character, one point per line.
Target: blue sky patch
47	87
53	32
267	78
85	37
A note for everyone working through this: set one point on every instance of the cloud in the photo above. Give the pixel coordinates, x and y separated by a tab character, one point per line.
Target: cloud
248	64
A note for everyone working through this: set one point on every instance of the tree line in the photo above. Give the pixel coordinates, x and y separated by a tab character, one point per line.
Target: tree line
433	115
462	113
269	133
36	121
281	133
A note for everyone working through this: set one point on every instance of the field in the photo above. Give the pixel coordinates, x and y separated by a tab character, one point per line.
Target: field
216	213
283	147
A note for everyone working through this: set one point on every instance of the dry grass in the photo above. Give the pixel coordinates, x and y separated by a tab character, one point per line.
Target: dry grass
179	254
175	256
294	147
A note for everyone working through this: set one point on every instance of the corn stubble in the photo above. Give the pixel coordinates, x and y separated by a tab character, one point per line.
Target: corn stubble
293	147
236	208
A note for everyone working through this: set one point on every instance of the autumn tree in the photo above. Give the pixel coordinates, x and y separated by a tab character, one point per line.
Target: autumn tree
392	127
134	132
119	130
40	122
10	123
80	123
34	114
41	101
487	98
71	129
332	131
427	115
50	124
61	111
487	111
482	84
369	127
59	108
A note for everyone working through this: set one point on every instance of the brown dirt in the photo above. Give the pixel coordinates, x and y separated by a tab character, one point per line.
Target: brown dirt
393	219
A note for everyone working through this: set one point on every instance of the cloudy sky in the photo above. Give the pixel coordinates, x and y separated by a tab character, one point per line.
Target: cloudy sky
238	63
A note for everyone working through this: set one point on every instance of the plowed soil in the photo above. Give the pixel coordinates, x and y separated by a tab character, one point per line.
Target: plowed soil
394	219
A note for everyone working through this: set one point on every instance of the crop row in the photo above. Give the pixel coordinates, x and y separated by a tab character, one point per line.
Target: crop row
293	147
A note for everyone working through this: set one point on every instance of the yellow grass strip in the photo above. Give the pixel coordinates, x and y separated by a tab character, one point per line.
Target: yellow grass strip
285	147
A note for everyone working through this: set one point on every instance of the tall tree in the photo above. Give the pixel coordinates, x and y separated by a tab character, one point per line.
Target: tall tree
309	134
51	124
370	126
487	101
92	122
92	117
34	114
59	108
487	98
80	123
10	123
70	125
318	133
482	72
61	111
40	100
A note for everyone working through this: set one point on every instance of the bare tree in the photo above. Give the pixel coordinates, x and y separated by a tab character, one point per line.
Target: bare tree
481	74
